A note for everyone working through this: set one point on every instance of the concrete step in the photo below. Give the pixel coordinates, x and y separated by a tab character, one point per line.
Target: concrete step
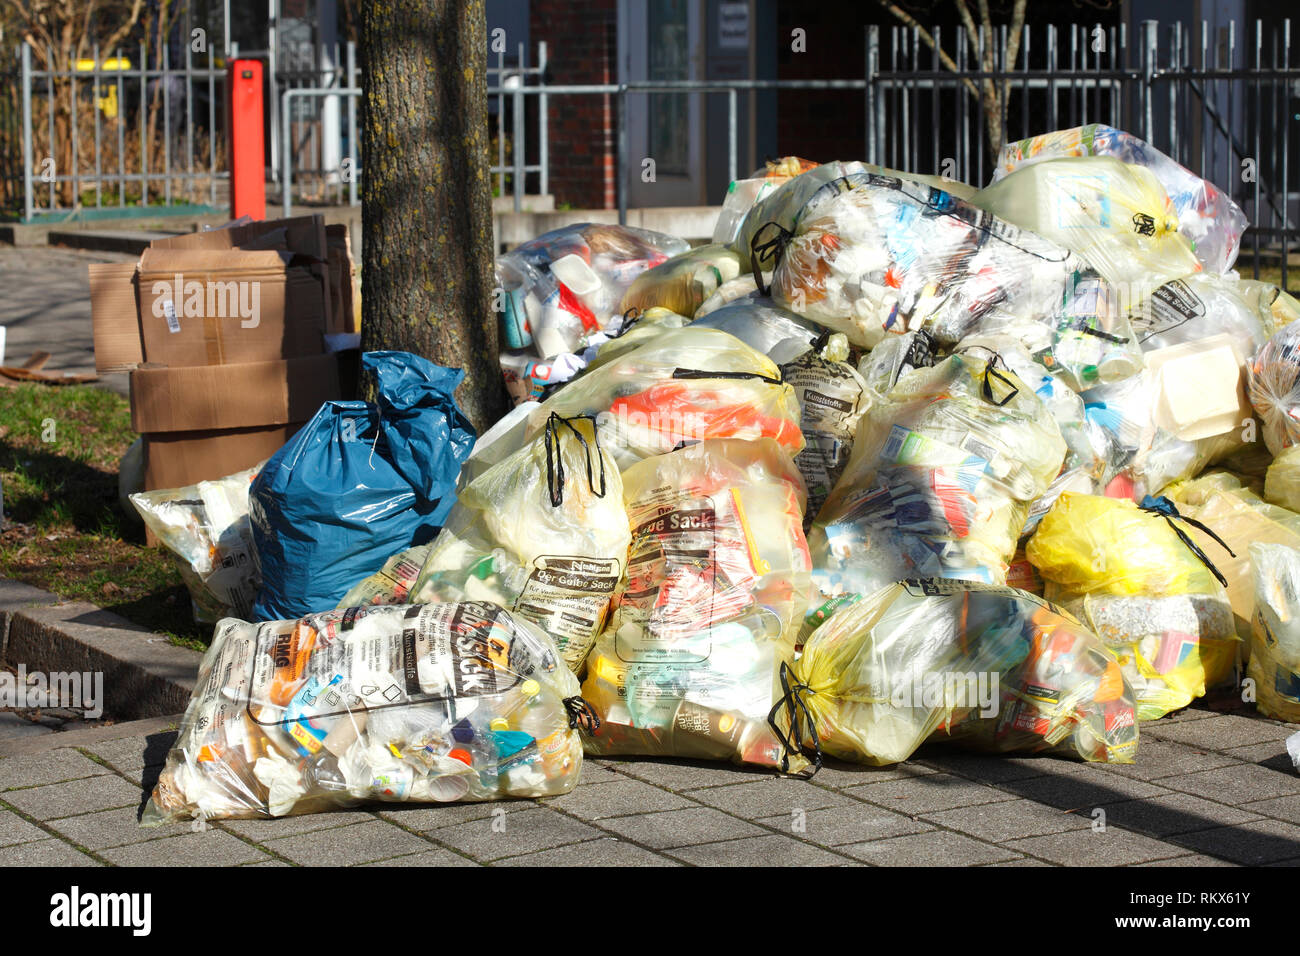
133	241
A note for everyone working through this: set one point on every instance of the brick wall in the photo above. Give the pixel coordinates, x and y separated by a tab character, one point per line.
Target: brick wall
582	41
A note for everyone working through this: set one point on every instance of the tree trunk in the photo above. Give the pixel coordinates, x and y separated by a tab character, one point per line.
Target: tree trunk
427	210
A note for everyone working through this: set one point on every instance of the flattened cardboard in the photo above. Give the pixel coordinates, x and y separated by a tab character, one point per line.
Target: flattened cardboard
113	316
234	307
219	397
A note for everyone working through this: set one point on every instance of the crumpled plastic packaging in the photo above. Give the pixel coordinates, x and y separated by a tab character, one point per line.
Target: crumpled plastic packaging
396	703
1275	640
684	281
883	366
872	255
566	284
1127	574
717	585
543	532
685	385
1274	382
940	481
206	528
1114	216
1210	221
357	484
988	668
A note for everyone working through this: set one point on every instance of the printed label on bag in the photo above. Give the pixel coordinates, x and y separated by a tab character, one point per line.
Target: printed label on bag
674	591
440	651
568	596
1171	305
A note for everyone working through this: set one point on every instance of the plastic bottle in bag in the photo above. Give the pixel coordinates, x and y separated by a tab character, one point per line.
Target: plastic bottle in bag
383	703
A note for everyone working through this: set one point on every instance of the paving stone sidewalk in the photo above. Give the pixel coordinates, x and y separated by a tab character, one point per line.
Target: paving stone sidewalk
1209	789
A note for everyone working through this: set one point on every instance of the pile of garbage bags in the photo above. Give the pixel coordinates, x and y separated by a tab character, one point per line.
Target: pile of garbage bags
892	461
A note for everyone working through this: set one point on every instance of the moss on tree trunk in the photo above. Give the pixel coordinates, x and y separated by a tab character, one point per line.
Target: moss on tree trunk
427	213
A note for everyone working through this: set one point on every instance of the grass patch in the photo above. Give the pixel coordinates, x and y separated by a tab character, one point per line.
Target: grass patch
64	529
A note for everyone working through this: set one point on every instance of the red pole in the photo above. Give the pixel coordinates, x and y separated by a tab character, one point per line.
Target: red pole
247	146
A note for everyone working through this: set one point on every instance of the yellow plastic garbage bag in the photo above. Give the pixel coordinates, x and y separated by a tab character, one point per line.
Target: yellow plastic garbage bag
684	281
684	385
1139	582
1275	642
396	703
206	528
989	668
543	532
939	484
1282	481
1240	517
1115	216
717	585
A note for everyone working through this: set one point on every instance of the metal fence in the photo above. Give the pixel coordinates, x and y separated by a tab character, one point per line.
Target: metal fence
128	129
1221	103
1225	103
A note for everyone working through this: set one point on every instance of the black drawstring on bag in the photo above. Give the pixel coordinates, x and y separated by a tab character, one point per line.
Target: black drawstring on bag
798	715
555	463
991	372
771	251
1166	509
630	318
705	373
581	714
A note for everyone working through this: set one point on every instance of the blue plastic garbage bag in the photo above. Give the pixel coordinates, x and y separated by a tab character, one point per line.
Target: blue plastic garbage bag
357	484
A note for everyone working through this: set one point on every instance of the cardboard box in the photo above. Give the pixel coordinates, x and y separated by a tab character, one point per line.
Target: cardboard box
177	459
206	422
116	295
113	314
202	307
303	235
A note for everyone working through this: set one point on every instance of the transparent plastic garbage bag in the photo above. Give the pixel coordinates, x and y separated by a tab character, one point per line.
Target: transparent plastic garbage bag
396	703
717	586
989	668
